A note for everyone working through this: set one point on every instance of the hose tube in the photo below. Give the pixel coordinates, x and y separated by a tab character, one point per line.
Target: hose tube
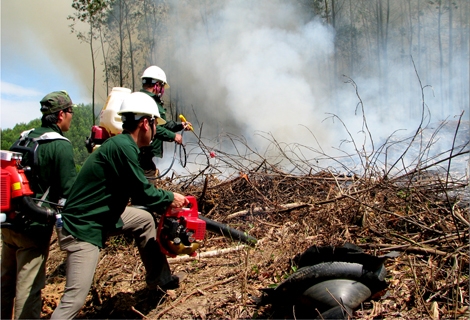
28	211
35	213
228	232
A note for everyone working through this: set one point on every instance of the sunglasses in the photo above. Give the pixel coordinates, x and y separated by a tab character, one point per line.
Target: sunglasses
69	110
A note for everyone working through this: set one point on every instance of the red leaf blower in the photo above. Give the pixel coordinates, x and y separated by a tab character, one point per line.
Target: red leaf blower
15	193
180	230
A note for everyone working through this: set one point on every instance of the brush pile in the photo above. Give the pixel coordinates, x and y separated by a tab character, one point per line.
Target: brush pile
421	211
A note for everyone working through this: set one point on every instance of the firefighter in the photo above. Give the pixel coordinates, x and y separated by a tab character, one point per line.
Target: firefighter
26	245
98	202
154	84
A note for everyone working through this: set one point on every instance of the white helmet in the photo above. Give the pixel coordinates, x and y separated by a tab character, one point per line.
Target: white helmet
155	73
140	104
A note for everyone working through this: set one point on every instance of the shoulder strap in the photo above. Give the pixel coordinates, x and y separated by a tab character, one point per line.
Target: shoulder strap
51	136
28	147
45	136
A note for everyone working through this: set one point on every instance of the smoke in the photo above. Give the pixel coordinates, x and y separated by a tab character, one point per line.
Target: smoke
40	55
249	67
264	69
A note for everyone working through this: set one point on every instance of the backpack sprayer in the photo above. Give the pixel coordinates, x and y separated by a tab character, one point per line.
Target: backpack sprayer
110	125
17	205
110	122
181	230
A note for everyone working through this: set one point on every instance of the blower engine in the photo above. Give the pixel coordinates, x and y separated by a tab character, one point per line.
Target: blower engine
15	193
180	230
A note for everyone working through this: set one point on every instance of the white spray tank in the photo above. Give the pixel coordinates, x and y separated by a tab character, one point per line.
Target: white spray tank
110	122
109	119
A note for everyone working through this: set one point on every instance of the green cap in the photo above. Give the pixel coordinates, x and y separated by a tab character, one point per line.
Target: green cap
56	101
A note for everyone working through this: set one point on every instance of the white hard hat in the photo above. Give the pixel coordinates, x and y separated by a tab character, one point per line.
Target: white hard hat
155	73
140	104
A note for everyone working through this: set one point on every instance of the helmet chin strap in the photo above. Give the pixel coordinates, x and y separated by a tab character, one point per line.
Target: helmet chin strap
153	132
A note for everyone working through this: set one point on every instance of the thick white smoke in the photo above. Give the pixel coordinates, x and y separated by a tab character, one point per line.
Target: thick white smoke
251	68
254	68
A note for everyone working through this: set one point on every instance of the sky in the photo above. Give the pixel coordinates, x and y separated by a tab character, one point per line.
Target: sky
39	55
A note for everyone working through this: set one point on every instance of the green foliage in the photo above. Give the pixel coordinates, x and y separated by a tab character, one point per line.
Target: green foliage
11	135
79	131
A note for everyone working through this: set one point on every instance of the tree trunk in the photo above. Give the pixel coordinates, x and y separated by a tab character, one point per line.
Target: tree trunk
450	101
94	72
441	56
121	45
106	76
131	49
464	39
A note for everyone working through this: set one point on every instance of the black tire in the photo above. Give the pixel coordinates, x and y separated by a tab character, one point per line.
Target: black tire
293	287
337	312
350	293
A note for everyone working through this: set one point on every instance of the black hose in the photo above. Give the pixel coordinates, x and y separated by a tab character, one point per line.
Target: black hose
222	229
36	213
29	211
183	164
228	232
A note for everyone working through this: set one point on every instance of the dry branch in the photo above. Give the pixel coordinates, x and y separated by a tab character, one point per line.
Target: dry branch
208	254
284	207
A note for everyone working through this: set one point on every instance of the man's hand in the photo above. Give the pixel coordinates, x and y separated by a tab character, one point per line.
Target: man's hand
178	138
187	125
179	201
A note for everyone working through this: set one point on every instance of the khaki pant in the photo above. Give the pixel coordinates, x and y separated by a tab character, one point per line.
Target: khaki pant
23	273
82	258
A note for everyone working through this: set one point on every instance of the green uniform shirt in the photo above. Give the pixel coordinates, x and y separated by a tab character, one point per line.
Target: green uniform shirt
108	179
164	132
56	169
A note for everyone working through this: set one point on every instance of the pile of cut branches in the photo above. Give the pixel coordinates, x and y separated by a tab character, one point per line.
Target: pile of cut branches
421	210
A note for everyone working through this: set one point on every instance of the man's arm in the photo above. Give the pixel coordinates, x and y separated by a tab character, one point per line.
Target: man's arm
164	134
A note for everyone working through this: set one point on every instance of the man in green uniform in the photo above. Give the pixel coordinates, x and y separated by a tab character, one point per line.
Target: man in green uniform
98	201
26	245
154	84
